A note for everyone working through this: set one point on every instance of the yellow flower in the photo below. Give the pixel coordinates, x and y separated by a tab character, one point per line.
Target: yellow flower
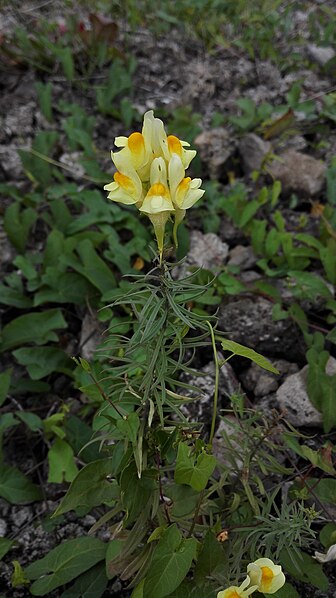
238	592
185	192
151	175
134	151
268	577
177	147
157	203
126	187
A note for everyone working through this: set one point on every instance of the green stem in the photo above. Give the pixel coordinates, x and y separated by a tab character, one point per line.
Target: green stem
215	404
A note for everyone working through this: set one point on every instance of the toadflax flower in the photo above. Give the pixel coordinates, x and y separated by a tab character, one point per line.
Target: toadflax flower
241	591
151	175
267	576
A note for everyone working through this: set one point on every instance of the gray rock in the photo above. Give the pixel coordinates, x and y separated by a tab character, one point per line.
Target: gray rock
228	436
261	382
253	150
7	251
249	321
215	147
292	397
21	515
3	528
90	336
10	161
267	405
201	409
320	54
19	122
206	251
268	74
242	256
71	161
298	172
250	276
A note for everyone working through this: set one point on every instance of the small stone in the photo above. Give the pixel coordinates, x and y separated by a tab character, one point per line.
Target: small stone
10	161
207	251
243	257
262	382
249	321
88	521
292	397
298	172
228	426
201	409
21	515
265	385
253	150
72	161
19	122
7	251
3	528
215	147
320	54
90	336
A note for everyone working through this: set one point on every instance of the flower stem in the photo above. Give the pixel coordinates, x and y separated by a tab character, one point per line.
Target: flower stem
215	403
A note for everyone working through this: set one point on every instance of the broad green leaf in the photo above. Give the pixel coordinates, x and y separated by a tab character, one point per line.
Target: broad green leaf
44	91
243	351
23	385
68	287
90	488
189	589
138	591
317	360
184	499
35	162
66	59
91	584
308	285
328	535
331	336
5	546
317	458
194	474
328	259
64	563
232	285
62	467
17	224
7	420
170	564
32	421
92	267
136	493
14	297
5	378
35	328
16	488
114	548
42	361
324	489
210	556
129	426
328	402
304	568
287	591
78	434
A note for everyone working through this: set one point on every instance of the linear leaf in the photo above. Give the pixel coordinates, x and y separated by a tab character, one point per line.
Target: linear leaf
238	349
